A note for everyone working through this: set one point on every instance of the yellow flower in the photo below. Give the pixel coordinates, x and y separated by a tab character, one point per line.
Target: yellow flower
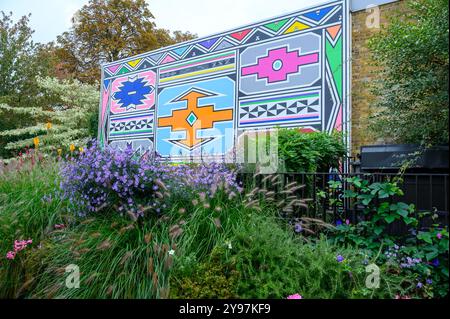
49	125
81	149
36	141
59	151
72	147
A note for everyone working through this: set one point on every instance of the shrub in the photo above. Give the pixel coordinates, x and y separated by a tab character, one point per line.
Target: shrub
272	263
428	248
101	179
211	279
69	106
309	152
412	51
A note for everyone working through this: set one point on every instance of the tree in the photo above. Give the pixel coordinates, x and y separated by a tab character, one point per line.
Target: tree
108	30
64	120
21	60
412	95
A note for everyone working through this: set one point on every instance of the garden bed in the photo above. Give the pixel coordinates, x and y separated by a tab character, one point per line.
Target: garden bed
142	229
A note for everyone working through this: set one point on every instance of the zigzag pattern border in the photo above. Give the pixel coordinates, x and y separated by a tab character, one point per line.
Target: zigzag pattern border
233	39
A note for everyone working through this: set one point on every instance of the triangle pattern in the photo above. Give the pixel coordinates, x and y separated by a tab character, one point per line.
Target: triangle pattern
134	63
156	57
240	34
113	68
335	18
194	52
334	30
207	44
257	36
167	59
277	25
145	65
224	45
296	26
106	83
180	51
124	70
317	15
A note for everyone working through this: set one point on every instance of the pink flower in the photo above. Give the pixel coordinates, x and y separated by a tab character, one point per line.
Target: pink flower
11	255
60	226
21	244
439	235
295	296
347	222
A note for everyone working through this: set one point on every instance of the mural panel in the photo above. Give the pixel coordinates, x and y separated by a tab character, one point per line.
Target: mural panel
194	99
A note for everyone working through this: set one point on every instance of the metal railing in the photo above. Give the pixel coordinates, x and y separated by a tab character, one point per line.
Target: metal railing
428	192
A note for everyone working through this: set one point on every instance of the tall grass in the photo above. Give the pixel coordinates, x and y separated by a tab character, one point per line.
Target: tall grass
117	257
225	246
26	213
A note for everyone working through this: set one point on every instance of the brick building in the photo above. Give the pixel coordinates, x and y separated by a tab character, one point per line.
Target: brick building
363	72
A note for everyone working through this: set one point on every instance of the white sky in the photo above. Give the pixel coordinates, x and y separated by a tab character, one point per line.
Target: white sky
52	17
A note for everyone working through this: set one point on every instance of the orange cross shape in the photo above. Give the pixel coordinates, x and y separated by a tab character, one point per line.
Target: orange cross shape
205	117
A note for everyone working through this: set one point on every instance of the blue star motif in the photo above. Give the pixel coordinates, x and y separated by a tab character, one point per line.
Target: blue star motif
132	93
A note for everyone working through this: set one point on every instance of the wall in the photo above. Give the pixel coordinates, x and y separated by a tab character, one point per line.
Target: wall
363	72
199	99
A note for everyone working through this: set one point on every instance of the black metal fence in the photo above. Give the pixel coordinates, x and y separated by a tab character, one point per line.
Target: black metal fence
428	192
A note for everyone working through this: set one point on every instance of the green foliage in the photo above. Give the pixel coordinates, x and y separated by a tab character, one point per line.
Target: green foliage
118	29
211	279
21	61
207	247
69	109
118	258
372	234
272	263
431	246
379	210
412	104
309	152
25	213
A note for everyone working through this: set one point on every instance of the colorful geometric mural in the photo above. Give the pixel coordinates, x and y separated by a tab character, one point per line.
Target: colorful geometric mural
195	99
196	119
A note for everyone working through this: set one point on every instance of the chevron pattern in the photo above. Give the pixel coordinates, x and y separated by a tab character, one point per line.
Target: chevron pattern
287	109
263	31
131	126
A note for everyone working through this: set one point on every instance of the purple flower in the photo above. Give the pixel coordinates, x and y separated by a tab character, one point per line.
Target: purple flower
439	235
339	258
298	228
429	281
106	177
419	285
435	262
347	222
338	222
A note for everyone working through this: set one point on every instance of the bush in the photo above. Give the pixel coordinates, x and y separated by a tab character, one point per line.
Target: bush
104	179
412	52
209	241
118	258
419	253
309	152
210	279
271	263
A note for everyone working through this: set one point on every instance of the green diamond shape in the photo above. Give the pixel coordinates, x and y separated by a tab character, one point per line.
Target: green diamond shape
191	119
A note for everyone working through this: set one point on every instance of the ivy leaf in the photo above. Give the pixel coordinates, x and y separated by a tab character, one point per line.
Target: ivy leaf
425	236
431	255
390	218
378	230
